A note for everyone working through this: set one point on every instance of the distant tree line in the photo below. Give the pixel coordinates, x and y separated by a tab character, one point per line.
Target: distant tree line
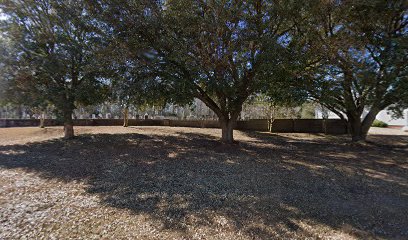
347	55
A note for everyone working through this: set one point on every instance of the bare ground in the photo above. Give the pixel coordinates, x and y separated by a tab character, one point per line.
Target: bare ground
181	183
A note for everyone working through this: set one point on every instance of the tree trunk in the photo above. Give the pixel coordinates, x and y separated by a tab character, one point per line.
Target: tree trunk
19	112
227	126
42	120
368	122
359	129
68	124
357	133
126	117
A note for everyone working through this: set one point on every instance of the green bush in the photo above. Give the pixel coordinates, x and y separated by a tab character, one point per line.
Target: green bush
378	123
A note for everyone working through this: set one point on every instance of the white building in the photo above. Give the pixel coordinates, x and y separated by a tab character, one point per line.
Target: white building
387	118
384	116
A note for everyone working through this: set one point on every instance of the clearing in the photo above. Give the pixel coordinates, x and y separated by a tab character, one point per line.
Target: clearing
181	183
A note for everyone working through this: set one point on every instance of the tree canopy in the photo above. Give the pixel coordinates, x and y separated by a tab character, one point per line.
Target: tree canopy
217	51
360	54
56	44
348	55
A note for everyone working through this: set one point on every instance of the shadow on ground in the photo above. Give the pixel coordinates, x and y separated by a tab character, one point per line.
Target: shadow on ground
273	186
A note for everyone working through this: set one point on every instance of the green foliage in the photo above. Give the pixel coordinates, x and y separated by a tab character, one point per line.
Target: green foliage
55	54
357	52
216	51
370	46
308	111
380	124
348	56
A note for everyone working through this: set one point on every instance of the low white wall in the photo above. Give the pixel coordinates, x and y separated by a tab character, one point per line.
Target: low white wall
382	116
387	118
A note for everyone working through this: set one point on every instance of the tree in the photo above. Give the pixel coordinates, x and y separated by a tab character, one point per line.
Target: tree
217	51
127	89
16	90
360	54
133	83
56	45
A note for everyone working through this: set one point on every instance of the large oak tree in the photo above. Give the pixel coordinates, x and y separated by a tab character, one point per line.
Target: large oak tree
56	44
217	51
359	51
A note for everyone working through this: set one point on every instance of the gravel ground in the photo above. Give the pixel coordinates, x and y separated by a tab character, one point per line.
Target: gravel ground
181	183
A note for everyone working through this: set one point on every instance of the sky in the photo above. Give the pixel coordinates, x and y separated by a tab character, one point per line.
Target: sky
2	15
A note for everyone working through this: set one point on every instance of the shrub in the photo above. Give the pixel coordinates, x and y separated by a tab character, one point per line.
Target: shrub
378	123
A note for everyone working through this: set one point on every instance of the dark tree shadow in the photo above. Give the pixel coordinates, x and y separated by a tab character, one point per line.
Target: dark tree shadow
265	187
